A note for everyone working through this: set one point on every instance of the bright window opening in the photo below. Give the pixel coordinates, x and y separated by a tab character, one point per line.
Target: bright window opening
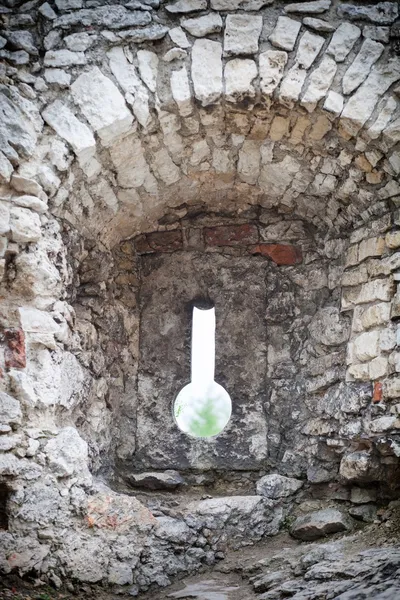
203	407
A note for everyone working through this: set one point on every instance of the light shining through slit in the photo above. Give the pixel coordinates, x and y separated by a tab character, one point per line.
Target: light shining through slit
202	408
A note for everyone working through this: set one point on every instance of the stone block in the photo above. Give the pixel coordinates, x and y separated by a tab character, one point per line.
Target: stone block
24	225
369	53
15	352
371	247
272	65
202	26
239	74
241	34
165	241
63	58
314	7
180	88
110	118
343	41
391	388
392	240
285	33
10	410
280	254
231	235
366	345
207	70
186	6
383	13
320	523
277	486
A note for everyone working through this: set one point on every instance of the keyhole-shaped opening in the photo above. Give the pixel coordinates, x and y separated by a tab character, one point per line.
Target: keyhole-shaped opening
203	407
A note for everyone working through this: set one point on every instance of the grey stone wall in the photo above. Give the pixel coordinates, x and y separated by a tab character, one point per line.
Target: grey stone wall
121	122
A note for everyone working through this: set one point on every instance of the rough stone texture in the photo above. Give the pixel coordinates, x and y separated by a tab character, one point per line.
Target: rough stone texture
166	174
320	523
277	486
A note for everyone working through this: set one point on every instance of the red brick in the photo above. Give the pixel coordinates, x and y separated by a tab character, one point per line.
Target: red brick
165	241
231	235
15	354
281	254
378	392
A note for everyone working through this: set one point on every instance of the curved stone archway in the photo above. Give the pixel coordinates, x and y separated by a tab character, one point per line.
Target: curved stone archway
257	141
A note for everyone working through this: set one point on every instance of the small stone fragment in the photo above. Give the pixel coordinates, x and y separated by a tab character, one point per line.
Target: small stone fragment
148	68
23	40
379	34
25	225
319	83
309	47
277	486
174	54
314	7
178	36
10	410
285	33
318	24
202	26
181	92
334	103
166	480
320	523
186	6
78	42
46	10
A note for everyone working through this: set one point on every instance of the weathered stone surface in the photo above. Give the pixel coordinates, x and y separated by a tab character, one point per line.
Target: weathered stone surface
23	40
379	34
328	328
239	4
280	254
110	120
178	36
272	65
167	480
308	50
358	71
361	105
207	70
320	523
181	92
285	33
148	68
318	24
239	75
165	169
63	58
343	41
112	17
202	26
241	34
73	131
117	512
232	235
384	13
17	132
277	486
10	410
78	42
358	467
24	225
334	103
313	7
186	6
58	77
67	455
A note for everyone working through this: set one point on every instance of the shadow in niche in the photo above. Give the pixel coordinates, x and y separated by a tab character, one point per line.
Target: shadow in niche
4	495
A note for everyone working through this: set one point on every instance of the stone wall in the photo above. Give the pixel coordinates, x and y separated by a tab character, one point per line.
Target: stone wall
253	135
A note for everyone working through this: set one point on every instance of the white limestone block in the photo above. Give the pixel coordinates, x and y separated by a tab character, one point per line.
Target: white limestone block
239	4
181	92
358	71
4	218
314	7
362	104
319	83
285	33
186	6
242	33
127	77
148	68
309	47
207	70
343	41
292	84
24	225
73	131
239	74
334	103
202	26
102	104
178	36
272	65
79	42
275	178
64	58
6	168
37	321
174	54
165	168
318	24
366	345
58	77
386	111
32	202
130	163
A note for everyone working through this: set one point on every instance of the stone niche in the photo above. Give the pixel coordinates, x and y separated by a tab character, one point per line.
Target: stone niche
274	355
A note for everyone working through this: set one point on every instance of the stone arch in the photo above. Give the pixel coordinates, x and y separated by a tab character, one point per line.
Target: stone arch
268	119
